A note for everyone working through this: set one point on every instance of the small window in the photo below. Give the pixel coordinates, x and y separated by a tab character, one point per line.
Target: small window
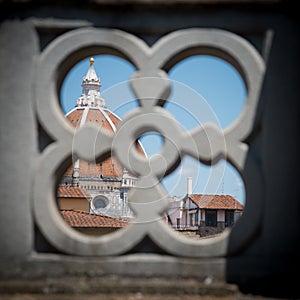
211	217
192	220
196	218
229	218
178	222
100	202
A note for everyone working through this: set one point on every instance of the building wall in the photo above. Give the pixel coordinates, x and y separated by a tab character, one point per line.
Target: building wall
92	185
191	217
212	230
114	190
174	214
74	203
205	231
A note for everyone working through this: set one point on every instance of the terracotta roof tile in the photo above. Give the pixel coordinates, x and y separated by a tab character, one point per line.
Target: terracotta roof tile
216	201
78	218
72	192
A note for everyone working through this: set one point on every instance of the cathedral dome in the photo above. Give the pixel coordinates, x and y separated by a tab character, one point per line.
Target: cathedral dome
91	108
103	117
107	183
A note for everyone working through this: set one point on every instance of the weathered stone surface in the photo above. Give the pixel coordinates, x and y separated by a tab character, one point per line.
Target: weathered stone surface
264	247
18	147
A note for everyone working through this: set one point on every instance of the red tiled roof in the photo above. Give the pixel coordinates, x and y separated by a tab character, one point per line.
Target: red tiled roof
110	167
75	117
78	218
113	118
96	116
216	201
72	192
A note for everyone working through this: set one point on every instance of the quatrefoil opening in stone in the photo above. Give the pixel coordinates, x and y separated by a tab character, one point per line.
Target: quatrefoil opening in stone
152	88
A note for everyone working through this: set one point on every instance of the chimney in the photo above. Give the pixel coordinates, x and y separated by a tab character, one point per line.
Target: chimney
189	185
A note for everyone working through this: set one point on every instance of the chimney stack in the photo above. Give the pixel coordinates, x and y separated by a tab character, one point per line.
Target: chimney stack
189	185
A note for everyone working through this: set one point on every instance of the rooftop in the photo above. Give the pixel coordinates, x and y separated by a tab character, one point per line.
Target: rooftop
78	218
216	201
71	192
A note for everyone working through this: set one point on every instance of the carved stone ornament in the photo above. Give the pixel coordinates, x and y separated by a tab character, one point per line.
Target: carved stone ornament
151	86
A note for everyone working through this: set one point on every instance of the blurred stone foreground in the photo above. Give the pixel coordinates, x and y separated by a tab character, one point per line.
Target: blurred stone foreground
115	288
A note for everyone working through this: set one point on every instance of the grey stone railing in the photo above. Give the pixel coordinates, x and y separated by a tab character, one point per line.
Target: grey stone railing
39	46
151	86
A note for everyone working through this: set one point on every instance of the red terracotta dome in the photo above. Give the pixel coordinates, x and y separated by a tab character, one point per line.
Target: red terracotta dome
103	117
90	107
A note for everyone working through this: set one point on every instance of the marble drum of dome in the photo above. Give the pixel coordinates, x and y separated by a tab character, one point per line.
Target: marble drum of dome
152	88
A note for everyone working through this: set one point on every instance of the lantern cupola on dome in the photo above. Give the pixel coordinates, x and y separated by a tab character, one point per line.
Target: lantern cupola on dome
91	89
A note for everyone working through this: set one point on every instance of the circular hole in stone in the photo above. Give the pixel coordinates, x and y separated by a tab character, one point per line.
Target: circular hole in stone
205	89
104	84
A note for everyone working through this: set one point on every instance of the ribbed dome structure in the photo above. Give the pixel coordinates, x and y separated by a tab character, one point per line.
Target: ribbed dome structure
106	182
90	107
105	119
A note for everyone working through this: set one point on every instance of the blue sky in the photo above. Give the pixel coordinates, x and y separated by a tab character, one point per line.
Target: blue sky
204	89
